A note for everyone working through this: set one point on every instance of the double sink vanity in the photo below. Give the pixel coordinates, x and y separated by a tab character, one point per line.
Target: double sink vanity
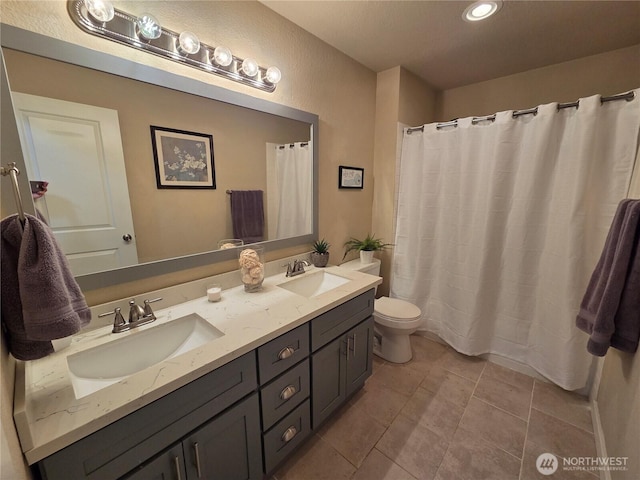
209	390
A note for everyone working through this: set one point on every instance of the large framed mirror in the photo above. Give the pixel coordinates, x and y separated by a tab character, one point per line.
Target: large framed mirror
172	229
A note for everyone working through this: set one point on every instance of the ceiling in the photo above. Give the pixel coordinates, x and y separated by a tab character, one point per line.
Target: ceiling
430	39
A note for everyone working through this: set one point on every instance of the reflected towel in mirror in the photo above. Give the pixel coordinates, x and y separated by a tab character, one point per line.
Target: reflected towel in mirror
247	215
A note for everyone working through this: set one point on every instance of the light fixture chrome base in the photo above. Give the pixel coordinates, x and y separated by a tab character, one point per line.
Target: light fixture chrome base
122	29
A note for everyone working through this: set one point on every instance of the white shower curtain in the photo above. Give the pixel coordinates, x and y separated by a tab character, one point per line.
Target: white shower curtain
500	224
290	191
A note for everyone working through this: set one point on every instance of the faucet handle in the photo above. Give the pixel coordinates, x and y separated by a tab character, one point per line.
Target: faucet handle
119	325
147	308
289	268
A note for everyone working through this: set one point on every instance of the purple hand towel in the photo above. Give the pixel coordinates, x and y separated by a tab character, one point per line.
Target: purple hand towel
247	215
610	309
41	300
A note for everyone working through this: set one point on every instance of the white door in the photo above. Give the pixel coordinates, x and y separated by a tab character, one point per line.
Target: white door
89	211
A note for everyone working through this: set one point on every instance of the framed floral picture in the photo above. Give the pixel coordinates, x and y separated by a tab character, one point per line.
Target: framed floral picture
350	177
183	159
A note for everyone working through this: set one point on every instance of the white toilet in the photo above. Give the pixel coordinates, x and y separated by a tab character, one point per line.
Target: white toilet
394	320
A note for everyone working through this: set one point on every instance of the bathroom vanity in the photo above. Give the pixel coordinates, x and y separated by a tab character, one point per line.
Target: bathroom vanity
234	407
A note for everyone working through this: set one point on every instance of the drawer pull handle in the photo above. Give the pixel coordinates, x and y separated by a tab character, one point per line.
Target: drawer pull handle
197	455
288	434
286	352
288	392
176	463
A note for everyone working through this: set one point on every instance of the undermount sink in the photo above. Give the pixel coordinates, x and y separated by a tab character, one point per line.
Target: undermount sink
312	284
99	367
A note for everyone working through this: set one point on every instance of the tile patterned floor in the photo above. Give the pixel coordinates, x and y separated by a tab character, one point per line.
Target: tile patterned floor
445	416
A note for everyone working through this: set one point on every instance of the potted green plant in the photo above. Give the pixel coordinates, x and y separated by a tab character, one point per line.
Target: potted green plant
366	247
320	253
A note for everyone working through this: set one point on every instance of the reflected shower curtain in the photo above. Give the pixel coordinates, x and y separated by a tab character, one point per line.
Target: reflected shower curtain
501	223
290	190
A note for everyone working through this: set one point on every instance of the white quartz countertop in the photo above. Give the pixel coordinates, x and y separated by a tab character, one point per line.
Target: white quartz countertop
48	416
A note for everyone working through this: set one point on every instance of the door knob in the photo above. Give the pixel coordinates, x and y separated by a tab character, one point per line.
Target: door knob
127	237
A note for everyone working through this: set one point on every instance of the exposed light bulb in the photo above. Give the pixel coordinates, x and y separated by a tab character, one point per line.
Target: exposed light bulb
250	67
101	10
273	75
189	42
148	26
222	56
481	10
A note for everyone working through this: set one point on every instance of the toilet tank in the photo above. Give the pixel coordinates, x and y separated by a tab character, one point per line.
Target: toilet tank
370	268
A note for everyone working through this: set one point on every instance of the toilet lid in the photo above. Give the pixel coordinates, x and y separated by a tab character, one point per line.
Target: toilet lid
396	308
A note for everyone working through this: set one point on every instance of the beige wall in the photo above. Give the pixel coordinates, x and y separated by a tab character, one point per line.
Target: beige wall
606	74
619	407
239	138
401	97
618	396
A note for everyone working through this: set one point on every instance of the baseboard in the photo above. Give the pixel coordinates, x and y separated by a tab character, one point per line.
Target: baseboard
598	433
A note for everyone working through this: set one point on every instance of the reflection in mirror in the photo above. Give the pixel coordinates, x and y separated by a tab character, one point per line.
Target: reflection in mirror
257	146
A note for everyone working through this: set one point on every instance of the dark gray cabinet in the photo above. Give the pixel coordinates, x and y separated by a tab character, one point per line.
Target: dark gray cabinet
342	354
284	400
167	466
125	445
227	448
359	363
340	368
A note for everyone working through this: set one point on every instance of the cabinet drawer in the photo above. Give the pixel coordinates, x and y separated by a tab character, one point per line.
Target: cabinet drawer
286	435
335	322
283	352
284	394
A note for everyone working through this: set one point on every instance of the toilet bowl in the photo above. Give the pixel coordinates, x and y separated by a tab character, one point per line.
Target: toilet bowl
394	320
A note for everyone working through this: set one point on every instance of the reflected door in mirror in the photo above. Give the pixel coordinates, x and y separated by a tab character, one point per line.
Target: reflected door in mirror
78	150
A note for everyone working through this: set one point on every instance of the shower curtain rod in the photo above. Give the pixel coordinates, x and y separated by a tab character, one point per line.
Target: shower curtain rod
530	111
291	145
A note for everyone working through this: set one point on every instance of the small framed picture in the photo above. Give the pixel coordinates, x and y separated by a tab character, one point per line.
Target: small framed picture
350	177
183	159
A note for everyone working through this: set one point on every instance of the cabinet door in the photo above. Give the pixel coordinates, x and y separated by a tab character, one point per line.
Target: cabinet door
229	447
168	466
328	379
359	355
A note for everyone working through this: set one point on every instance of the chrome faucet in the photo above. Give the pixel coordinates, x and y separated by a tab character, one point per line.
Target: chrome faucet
137	316
297	268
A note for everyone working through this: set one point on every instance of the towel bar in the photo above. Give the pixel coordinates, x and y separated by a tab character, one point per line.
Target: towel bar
13	172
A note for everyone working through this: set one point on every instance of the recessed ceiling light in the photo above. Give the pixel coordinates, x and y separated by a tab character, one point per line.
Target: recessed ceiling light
481	10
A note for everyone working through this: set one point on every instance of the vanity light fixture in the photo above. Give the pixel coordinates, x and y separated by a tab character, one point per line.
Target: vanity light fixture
273	75
250	67
188	43
222	56
101	10
143	32
481	10
148	26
